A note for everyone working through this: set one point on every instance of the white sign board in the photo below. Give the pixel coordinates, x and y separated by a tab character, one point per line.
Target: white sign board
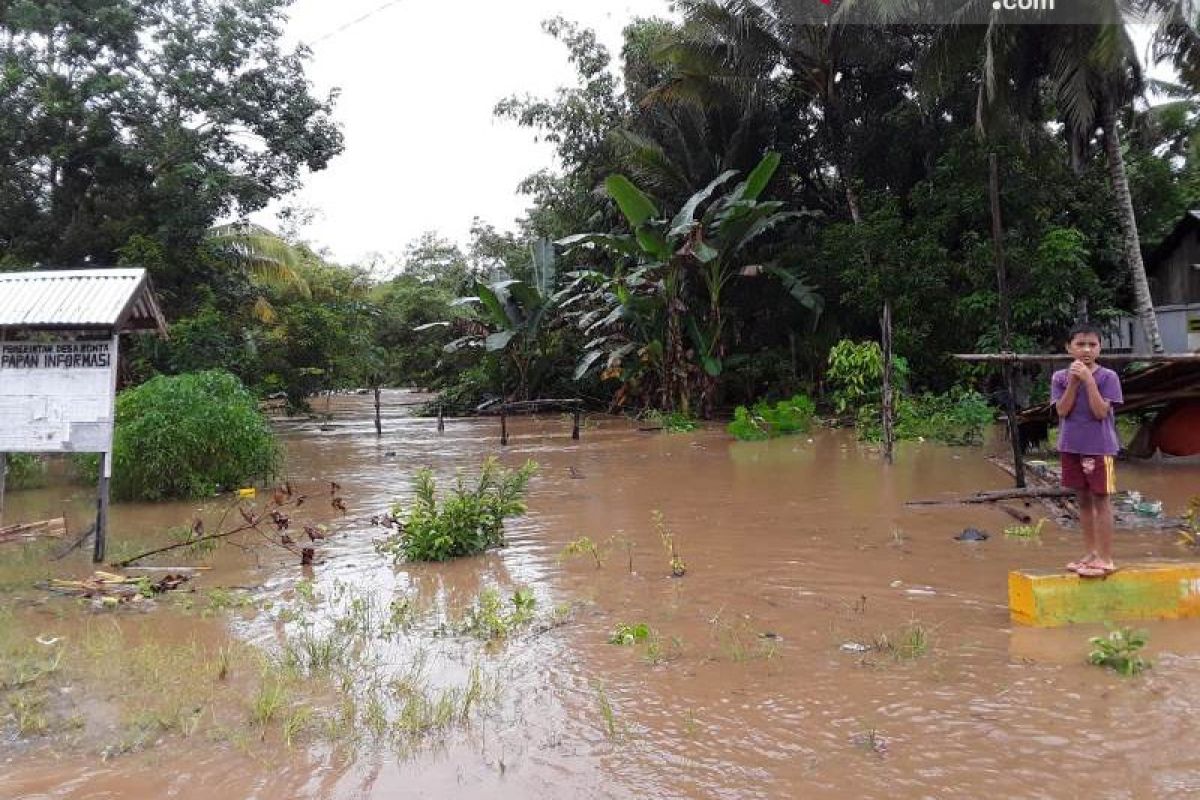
57	396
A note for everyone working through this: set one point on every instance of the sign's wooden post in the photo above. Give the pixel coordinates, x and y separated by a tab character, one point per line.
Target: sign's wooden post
101	540
3	476
106	461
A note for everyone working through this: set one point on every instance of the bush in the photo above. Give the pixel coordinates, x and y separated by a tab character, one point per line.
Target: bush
468	521
856	374
766	421
188	436
958	417
25	471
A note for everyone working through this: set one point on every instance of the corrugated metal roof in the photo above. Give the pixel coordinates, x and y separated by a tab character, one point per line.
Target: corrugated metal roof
79	298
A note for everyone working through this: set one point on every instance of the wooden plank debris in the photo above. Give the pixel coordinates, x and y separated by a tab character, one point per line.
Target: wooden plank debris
55	528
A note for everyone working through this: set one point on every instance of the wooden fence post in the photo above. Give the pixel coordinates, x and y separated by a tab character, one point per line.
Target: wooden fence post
889	429
378	423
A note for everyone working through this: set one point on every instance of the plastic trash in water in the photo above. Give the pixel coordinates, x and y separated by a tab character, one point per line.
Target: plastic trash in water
247	492
1149	508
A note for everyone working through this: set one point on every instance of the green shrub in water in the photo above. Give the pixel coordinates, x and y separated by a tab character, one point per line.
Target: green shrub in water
672	421
188	436
1120	651
855	374
958	417
766	421
468	520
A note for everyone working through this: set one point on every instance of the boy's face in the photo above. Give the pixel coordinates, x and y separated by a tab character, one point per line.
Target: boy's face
1085	347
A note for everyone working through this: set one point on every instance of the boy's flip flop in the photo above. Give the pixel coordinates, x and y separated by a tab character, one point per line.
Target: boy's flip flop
1093	571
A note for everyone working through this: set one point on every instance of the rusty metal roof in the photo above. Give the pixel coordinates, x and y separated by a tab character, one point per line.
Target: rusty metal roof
120	299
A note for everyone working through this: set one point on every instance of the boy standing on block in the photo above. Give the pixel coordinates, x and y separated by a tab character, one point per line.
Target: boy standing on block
1084	395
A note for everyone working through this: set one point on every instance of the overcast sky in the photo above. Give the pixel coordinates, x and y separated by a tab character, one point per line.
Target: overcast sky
418	81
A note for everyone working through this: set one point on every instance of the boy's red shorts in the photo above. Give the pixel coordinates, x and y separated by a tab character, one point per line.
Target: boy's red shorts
1095	473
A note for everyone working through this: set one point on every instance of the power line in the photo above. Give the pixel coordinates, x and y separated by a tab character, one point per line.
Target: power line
353	22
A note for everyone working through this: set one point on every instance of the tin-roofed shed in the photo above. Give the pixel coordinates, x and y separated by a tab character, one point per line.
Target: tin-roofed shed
59	347
116	300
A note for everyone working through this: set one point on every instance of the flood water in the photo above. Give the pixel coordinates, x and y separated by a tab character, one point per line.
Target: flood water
796	551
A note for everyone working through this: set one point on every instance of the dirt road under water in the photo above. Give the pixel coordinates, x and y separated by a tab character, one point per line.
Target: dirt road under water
752	684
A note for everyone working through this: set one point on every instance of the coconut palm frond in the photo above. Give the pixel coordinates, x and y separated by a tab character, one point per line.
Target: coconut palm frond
649	163
261	254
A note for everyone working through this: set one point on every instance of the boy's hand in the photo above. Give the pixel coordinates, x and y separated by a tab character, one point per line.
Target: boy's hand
1080	372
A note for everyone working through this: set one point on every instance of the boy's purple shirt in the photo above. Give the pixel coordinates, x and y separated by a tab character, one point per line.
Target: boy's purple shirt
1080	431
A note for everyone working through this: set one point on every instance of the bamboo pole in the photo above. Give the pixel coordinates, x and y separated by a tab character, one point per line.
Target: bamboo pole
1010	404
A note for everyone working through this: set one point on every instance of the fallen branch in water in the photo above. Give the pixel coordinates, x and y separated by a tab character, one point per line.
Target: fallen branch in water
281	498
998	494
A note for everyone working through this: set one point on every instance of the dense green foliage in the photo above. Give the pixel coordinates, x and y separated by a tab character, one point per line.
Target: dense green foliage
466	521
765	420
25	471
955	417
189	436
732	197
132	126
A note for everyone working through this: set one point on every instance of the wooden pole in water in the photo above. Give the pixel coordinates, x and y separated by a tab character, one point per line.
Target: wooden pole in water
503	424
1010	404
889	431
575	426
102	508
378	424
441	419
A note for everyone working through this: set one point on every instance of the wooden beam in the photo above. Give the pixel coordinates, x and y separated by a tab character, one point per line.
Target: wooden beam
1020	358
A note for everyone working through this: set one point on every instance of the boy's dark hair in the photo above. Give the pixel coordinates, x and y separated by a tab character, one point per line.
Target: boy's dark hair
1082	328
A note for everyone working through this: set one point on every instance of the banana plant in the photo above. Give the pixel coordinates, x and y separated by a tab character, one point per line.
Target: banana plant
650	307
511	316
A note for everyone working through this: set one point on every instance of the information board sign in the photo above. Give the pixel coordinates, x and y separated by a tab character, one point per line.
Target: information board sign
58	396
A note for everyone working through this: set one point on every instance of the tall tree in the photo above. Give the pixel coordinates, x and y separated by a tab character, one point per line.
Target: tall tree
147	117
1088	73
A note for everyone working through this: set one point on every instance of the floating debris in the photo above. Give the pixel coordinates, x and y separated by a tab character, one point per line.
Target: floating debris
972	535
111	589
55	528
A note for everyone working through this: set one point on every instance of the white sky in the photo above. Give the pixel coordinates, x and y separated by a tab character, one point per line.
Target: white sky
418	83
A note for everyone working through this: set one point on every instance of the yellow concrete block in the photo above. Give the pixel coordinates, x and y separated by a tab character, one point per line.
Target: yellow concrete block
1136	591
250	492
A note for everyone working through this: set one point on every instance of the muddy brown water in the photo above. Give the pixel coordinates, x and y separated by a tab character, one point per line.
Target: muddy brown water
793	549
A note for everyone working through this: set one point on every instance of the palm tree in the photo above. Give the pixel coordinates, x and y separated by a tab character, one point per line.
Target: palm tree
1089	73
262	256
